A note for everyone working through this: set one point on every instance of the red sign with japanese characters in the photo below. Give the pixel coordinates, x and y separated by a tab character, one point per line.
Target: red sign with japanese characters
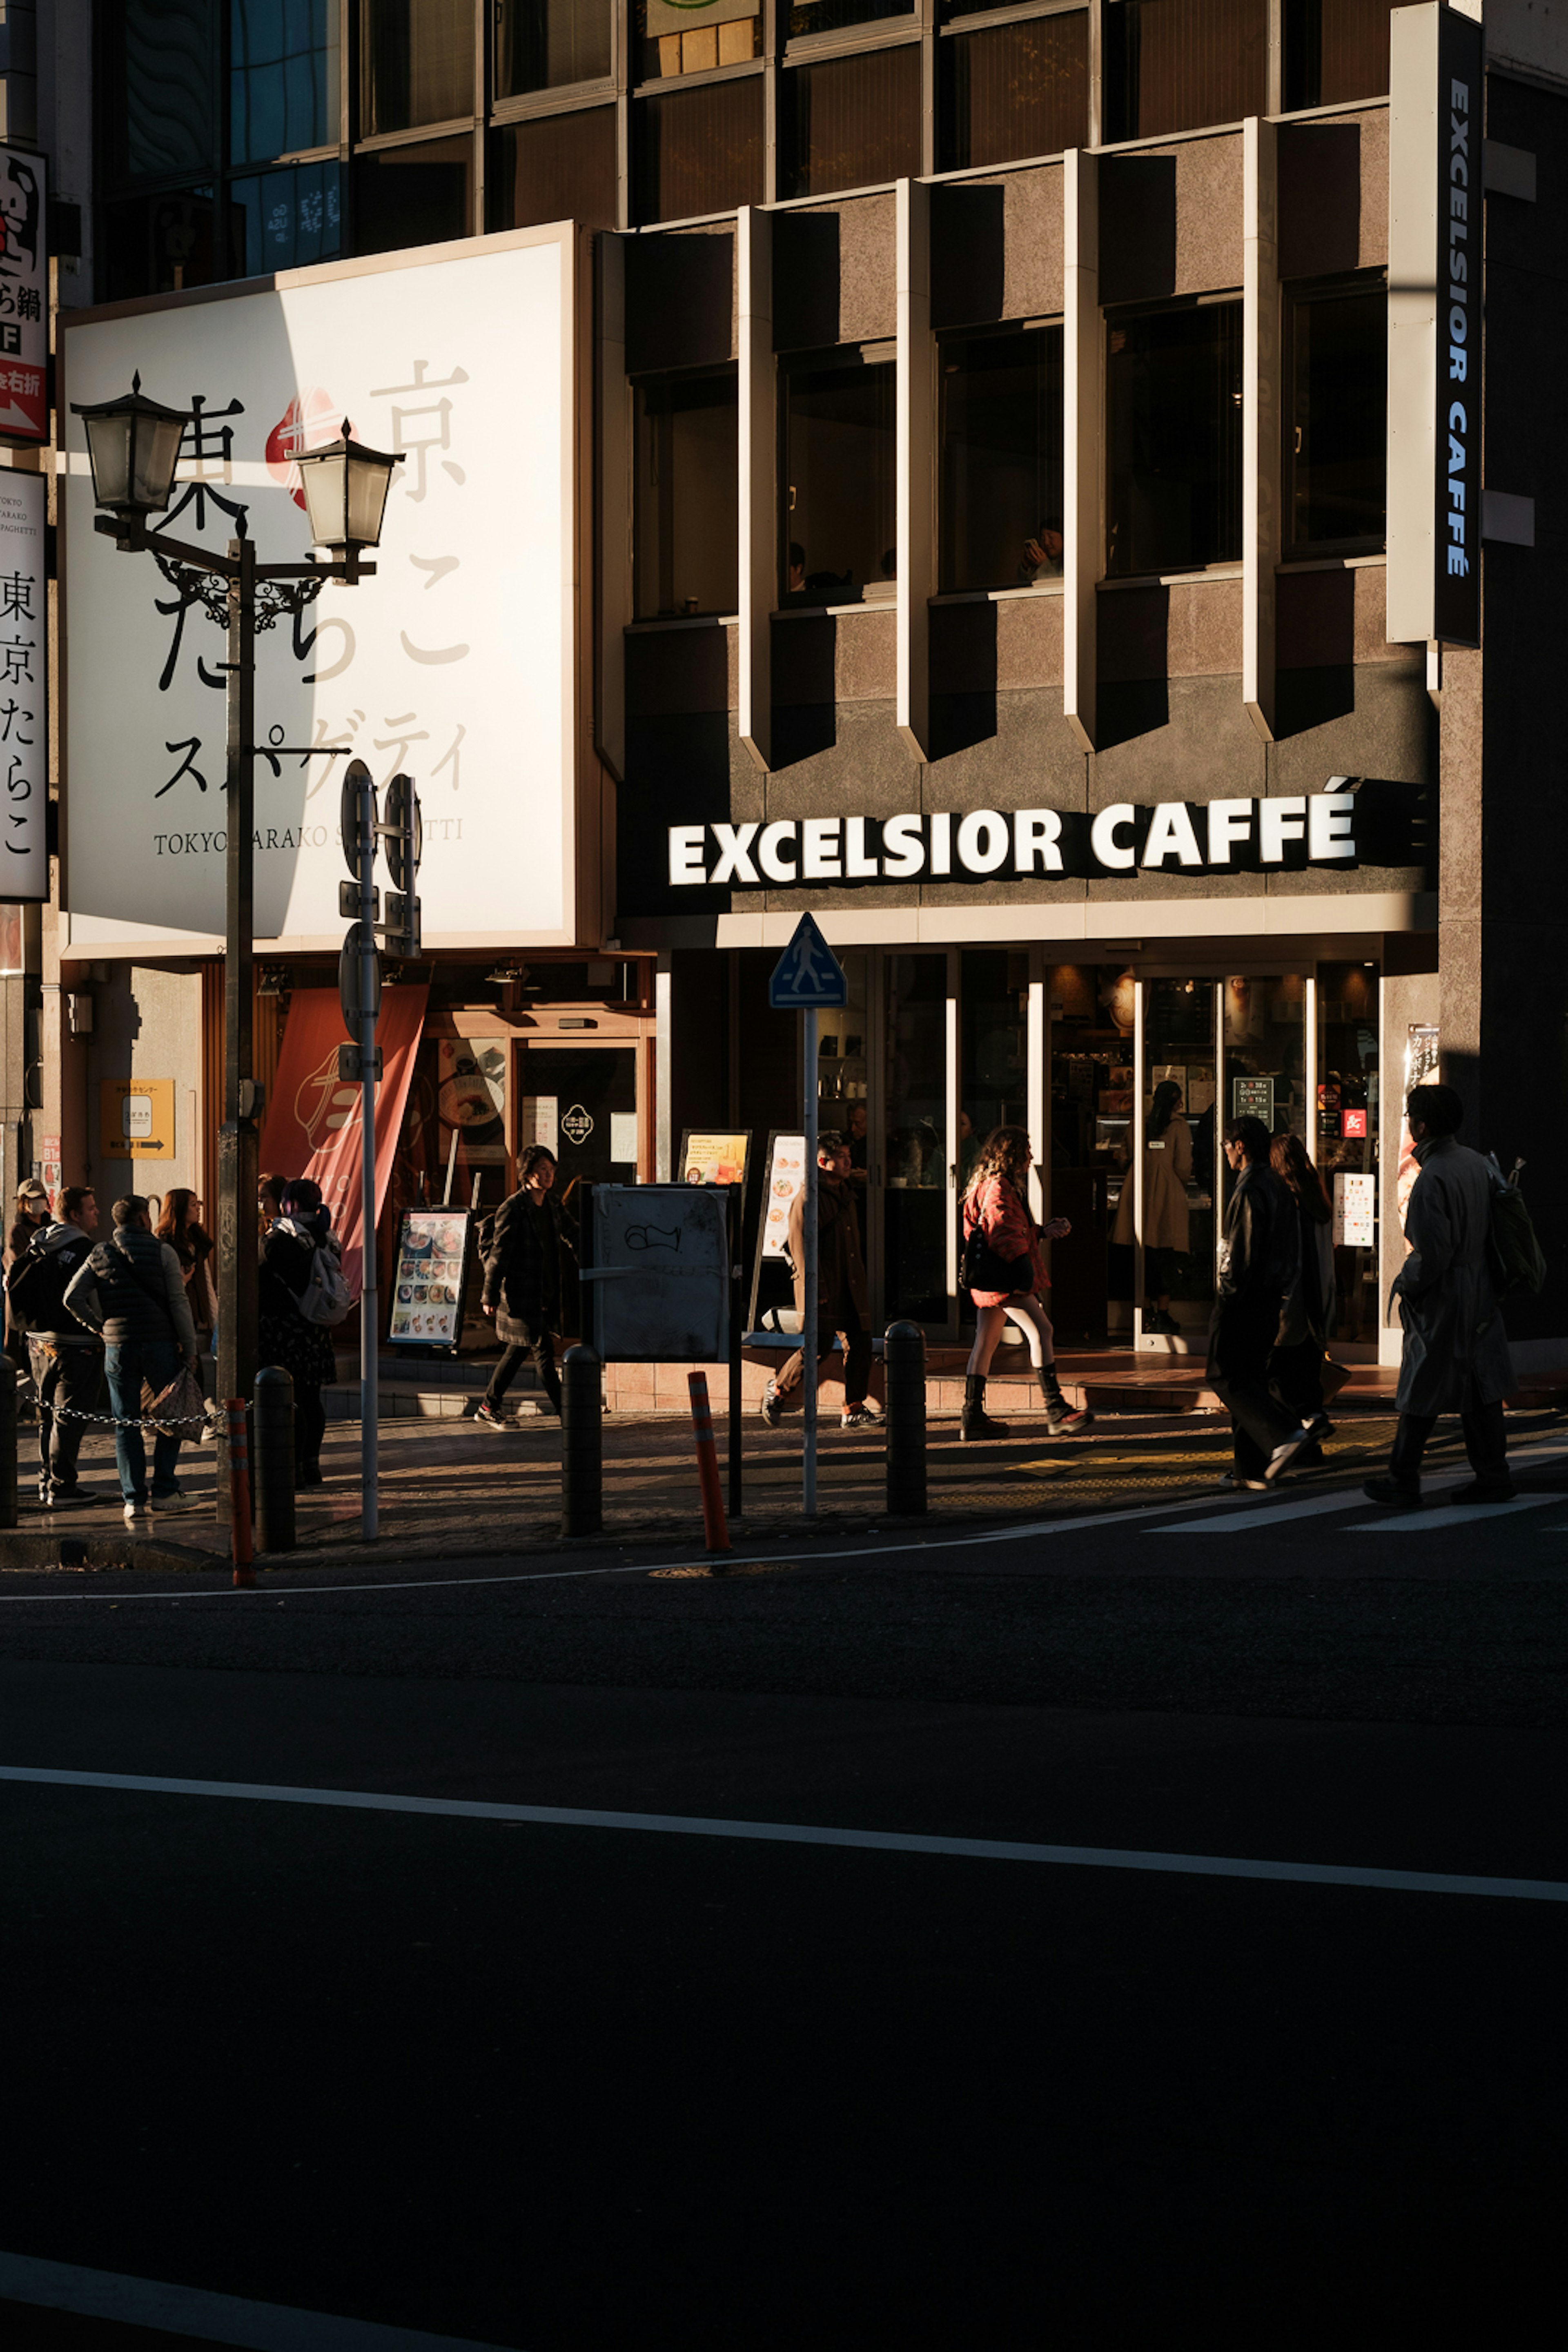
23	277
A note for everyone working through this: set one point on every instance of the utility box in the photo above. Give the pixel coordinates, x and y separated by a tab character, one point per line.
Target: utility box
659	1274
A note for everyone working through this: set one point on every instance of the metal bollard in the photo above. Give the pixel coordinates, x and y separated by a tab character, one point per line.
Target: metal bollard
234	1411
715	1534
7	1443
274	1460
582	1444
904	1360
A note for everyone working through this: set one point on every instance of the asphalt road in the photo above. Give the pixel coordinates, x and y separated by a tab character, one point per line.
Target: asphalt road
562	2085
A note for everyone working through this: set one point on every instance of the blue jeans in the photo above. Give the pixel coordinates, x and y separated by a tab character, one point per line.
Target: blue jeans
127	1366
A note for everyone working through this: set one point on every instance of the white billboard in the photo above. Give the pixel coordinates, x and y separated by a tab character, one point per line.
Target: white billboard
23	694
456	664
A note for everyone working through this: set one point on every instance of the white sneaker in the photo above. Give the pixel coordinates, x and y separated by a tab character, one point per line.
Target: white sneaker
1283	1455
177	1501
137	1515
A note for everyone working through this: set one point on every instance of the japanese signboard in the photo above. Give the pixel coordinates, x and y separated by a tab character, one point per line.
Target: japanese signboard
1355	1210
427	1288
24	309
136	1118
455	665
24	709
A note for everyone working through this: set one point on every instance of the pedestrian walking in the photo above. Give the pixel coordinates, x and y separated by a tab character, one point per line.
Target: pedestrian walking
1004	1273
131	1291
1455	1357
843	1303
1296	1366
294	1288
1167	1219
65	1359
1259	1262
532	1234
181	1226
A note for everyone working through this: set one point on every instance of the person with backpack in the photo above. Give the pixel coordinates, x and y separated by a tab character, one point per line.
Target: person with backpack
1006	1275
1455	1357
131	1291
522	1263
302	1295
66	1361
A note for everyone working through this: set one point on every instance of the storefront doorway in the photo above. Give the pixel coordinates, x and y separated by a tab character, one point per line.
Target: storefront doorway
582	1101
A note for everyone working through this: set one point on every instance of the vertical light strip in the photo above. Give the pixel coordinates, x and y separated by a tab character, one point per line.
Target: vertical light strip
1141	1338
954	1187
663	1140
615	505
1036	1051
758	502
916	462
1260	419
1309	1051
1217	1182
1082	436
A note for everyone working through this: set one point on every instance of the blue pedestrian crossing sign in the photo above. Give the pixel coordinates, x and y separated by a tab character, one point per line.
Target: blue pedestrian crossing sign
808	976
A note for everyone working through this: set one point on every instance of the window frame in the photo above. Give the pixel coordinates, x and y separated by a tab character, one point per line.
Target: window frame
846	358
1295	294
1219	566
1003	329
707	371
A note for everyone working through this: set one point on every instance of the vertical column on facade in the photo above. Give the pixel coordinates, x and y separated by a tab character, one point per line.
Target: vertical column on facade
916	464
758	505
663	1069
615	605
1083	412
1261	416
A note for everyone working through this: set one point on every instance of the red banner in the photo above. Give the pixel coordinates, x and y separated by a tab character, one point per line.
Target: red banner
312	1124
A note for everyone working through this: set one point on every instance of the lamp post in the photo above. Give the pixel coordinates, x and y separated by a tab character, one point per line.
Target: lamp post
134	447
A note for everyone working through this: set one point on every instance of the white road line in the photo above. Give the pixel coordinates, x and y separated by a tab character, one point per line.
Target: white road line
1088	1857
1247	1519
196	2311
1450	1515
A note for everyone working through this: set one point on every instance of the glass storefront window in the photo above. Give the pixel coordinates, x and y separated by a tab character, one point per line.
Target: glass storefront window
1174	439
1349	1057
1091	1009
1336	455
288	217
417	64
916	1193
282	78
685	521
993	1067
839	528
842	1081
1000	521
549	44
1179	1158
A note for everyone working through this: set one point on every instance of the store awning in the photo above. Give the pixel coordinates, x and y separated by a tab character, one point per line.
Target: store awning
311	1125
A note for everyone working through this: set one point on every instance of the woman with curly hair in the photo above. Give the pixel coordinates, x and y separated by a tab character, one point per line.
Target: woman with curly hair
1006	1275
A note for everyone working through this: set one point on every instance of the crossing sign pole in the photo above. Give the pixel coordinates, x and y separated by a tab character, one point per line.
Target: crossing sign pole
807	979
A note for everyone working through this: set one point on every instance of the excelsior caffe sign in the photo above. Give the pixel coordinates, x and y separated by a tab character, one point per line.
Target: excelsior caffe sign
1210	836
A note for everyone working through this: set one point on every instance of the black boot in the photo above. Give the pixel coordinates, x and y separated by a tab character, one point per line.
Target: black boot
1060	1418
976	1422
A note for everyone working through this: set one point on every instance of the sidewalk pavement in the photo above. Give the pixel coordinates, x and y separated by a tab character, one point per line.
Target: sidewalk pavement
450	1490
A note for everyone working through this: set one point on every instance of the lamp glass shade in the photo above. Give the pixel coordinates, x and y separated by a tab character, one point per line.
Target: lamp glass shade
134	447
346	488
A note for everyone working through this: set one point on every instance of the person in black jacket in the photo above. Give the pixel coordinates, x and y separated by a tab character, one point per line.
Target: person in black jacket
522	1281
1261	1265
65	1359
131	1292
302	1226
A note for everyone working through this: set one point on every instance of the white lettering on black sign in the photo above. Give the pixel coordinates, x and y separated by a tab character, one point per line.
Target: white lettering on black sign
1456	587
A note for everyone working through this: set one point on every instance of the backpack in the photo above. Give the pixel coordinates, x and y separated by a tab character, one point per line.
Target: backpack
1513	1253
36	1284
326	1299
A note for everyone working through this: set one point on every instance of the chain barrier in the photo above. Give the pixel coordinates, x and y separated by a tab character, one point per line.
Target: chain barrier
213	1415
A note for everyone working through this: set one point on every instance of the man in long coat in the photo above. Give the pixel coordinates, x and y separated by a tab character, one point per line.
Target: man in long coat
1455	1355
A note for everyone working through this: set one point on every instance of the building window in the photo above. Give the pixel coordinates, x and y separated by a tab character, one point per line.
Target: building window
287	218
414	195
549	44
700	151
1336	49
1178	65
1336	454
839	531
1174	439
282	78
1014	90
850	123
687	36
1000	521
686	505
836	15
417	64
161	245
162	62
557	167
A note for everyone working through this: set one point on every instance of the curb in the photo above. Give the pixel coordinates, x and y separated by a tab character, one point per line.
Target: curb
22	1553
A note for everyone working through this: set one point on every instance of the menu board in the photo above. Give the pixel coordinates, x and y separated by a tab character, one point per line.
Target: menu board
787	1176
427	1287
711	1156
1355	1210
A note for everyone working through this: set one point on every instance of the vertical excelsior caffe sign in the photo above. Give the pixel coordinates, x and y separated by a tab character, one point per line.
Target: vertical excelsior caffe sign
1435	175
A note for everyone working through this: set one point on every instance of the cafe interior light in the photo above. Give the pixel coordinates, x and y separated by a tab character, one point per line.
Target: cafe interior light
134	447
345	487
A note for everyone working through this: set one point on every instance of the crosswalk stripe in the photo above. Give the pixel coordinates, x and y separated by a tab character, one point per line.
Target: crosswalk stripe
1450	1515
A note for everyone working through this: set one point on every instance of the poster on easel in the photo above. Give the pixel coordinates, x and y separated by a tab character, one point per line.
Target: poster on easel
430	1278
714	1155
773	1282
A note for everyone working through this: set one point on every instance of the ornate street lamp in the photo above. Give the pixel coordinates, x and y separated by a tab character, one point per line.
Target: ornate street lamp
134	447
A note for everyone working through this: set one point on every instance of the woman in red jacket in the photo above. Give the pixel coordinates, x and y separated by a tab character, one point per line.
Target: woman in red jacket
997	1226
